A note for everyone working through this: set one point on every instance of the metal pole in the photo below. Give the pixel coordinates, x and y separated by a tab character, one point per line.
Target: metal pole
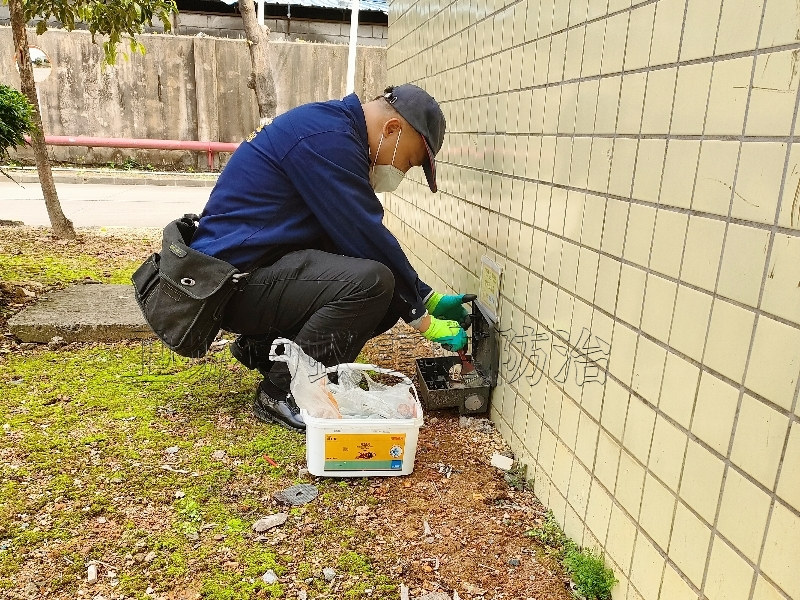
261	12
351	55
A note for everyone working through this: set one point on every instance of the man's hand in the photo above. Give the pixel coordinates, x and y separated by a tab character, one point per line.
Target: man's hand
449	307
447	333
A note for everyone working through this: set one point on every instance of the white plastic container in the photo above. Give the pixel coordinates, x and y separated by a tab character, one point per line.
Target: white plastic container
363	447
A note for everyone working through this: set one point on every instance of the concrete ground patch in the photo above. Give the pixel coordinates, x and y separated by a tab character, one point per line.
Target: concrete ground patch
83	313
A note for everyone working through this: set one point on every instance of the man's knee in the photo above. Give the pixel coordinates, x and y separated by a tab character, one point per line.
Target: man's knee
378	279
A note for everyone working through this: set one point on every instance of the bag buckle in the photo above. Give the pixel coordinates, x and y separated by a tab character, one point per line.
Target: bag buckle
239	280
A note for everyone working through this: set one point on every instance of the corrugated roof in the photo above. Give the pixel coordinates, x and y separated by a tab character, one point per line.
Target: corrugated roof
373	5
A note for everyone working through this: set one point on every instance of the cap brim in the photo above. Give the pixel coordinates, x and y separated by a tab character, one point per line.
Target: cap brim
429	166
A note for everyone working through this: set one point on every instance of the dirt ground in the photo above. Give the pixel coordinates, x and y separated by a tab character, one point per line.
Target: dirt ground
455	525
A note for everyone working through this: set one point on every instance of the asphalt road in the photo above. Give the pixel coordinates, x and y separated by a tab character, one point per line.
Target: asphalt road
103	205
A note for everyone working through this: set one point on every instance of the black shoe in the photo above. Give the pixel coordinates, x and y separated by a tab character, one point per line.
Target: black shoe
283	412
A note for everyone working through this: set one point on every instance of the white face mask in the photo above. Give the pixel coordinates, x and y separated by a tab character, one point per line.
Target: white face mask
386	178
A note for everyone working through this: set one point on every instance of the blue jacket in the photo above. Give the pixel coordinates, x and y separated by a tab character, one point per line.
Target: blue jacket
303	182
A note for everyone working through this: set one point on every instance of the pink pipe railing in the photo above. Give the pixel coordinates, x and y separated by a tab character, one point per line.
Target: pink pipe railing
102	142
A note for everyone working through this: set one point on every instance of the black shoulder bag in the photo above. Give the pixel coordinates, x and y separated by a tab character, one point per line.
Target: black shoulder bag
183	292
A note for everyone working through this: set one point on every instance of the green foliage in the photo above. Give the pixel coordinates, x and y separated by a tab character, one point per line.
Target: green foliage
589	572
118	19
16	119
550	535
593	580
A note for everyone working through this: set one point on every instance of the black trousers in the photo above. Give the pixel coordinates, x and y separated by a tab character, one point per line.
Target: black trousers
328	304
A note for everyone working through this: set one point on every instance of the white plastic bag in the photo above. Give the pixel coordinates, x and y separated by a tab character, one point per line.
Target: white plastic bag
320	398
309	383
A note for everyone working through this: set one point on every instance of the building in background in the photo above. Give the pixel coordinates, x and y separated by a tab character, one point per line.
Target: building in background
321	21
633	166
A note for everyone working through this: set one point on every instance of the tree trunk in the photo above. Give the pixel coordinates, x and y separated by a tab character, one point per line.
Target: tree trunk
62	227
261	77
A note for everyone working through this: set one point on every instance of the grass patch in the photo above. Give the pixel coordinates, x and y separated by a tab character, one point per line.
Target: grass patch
593	580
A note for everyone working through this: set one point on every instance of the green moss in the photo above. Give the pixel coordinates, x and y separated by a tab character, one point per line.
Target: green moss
61	269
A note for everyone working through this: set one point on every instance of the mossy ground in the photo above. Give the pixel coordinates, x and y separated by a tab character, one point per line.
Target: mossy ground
106	455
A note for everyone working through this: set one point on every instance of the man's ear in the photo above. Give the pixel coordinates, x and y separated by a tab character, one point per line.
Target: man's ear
392	126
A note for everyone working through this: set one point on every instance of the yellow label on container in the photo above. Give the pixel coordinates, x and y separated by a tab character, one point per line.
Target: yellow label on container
364	451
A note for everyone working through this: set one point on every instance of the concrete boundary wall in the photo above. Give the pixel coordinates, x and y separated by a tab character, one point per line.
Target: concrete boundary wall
634	166
183	88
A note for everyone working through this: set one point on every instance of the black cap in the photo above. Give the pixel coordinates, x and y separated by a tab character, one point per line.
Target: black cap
422	112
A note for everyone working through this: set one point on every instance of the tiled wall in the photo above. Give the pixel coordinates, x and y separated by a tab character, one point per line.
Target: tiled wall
634	168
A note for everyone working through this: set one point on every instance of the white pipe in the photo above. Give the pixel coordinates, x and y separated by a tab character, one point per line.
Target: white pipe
351	54
261	12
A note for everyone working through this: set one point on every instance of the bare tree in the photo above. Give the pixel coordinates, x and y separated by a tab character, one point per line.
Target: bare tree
62	226
121	19
260	79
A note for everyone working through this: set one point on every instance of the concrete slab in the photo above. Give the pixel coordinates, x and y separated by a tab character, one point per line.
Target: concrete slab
83	313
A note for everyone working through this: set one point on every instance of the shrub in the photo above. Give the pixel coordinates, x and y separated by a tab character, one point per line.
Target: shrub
16	119
589	572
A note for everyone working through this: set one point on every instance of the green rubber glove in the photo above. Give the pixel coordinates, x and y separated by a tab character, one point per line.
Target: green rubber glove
449	307
447	333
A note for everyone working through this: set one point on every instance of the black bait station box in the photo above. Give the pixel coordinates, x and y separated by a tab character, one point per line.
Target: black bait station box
440	381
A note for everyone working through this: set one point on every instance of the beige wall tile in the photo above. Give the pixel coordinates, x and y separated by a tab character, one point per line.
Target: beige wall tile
647	568
781	23
674	586
668	240
775	362
659	304
758	182
640	33
639	429
586	443
789	483
631	103
587	274
691	98
767	591
624	351
616	38
658	100
790	204
574	53
621	536
648	369
738	28
701	258
743	262
679	173
579	484
598	512
600	164
745	534
690	321
587	106
630	481
622	163
715	173
631	294
649	170
667	31
614	226
667	452
758	440
592	60
714	412
562	465
608	95
728	339
658	505
607	463
702	17
678	389
729	576
689	544
701	482
774	92
782	287
777	563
